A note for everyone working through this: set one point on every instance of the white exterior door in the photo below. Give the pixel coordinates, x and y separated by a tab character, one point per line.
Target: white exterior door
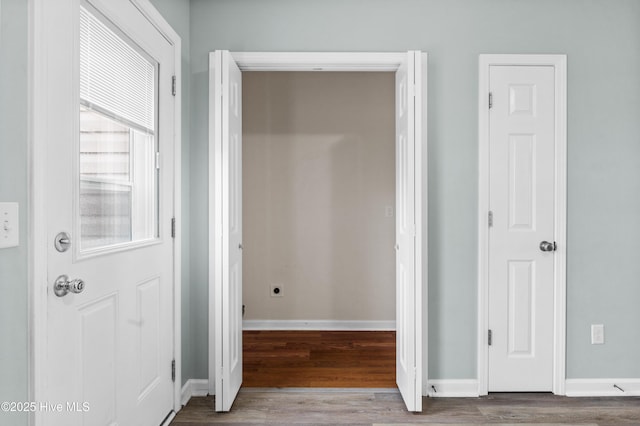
408	284
110	187
227	208
521	266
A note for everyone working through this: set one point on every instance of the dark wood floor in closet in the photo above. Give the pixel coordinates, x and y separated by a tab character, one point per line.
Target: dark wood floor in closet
334	359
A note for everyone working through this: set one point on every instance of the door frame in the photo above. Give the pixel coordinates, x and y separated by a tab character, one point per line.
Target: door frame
37	221
320	62
559	62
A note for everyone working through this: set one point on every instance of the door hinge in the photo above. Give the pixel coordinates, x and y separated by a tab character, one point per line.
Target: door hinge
490	220
173	370
490	100
490	337
173	85
157	160
173	227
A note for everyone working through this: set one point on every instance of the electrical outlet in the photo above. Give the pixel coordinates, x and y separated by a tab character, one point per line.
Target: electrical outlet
597	334
388	211
276	290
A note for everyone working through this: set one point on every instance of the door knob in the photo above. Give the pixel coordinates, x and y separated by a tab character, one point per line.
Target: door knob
62	286
547	246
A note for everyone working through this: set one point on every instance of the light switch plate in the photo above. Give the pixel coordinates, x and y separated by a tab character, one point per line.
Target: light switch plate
9	226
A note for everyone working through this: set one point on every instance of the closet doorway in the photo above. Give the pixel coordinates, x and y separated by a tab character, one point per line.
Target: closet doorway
318	179
226	233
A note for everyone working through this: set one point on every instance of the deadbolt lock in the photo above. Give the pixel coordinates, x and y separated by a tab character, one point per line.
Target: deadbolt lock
62	242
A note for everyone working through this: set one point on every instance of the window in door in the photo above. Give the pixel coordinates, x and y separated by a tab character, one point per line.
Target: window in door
118	179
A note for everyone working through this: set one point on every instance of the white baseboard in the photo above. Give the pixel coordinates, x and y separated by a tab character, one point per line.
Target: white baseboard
194	387
318	325
169	419
467	388
602	387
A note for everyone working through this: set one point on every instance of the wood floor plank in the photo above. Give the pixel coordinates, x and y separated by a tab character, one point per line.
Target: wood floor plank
336	359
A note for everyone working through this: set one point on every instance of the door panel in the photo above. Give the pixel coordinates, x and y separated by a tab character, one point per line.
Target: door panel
228	230
520	320
522	158
522	185
109	347
148	303
98	349
408	294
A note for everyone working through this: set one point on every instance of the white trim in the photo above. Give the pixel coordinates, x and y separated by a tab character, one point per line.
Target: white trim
451	388
37	212
420	60
169	419
602	387
316	61
559	62
393	390
194	387
214	123
37	121
422	230
325	325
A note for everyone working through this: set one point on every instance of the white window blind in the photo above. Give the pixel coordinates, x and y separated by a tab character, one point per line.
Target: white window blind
114	77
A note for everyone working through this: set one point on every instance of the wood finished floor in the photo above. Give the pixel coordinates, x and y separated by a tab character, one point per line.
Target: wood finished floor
285	371
334	359
371	407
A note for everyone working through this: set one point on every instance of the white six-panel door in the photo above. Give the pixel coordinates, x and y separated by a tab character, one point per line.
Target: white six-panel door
227	178
521	200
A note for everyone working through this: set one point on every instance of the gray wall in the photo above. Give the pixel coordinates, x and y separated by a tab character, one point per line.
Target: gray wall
13	188
602	41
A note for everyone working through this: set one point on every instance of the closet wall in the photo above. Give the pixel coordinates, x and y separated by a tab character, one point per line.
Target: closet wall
318	195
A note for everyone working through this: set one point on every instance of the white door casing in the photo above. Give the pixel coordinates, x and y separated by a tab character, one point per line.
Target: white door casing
107	351
522	203
227	210
411	142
